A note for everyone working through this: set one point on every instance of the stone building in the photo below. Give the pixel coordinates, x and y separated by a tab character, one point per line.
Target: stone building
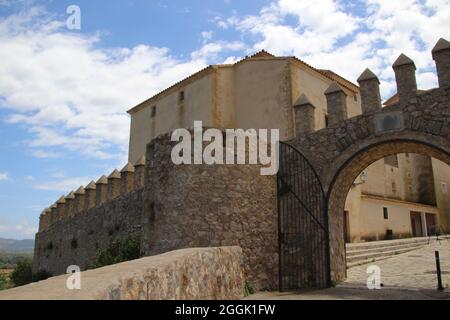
401	196
292	227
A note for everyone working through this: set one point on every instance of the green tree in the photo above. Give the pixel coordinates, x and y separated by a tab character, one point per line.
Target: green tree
22	273
5	281
119	251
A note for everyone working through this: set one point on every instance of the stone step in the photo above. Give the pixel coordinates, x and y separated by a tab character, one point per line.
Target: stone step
386	243
358	252
370	257
367	261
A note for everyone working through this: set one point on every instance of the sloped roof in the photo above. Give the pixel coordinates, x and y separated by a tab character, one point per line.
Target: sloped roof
442	44
394	99
334	87
367	75
302	100
402	60
260	54
341	80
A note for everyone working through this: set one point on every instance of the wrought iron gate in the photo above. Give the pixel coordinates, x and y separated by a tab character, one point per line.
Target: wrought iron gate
302	224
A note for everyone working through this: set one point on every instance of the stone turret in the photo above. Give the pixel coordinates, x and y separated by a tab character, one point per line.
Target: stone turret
53	213
41	221
405	76
370	91
89	196
101	195
61	208
139	174
47	213
114	185
305	120
441	56
70	203
336	104
79	200
127	179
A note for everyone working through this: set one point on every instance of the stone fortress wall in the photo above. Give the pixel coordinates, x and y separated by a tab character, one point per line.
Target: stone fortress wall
76	227
173	207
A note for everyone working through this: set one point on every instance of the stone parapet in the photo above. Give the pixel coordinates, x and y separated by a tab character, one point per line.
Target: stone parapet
370	92
336	105
305	119
101	195
405	76
95	194
170	276
441	55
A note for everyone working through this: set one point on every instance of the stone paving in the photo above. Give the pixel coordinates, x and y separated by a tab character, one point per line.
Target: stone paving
407	276
414	269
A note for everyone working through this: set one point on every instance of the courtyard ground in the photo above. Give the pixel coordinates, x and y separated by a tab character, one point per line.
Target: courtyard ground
407	276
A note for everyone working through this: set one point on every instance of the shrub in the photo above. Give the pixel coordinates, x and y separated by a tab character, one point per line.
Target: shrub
248	289
41	275
5	281
119	251
22	273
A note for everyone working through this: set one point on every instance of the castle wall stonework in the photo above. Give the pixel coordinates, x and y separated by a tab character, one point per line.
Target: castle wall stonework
201	206
341	152
76	240
188	206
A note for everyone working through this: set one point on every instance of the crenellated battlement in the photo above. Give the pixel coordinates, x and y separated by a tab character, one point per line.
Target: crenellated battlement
405	76
95	194
171	206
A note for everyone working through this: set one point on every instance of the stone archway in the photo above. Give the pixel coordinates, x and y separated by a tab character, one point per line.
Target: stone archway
344	178
418	123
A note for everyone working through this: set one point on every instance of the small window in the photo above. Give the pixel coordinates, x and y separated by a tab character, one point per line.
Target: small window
153	112
444	187
391	161
355	97
385	213
326	121
394	188
181	97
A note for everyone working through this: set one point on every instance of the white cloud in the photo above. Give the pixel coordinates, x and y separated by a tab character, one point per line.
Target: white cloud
58	174
45	154
4	176
207	36
332	34
210	51
64	185
25	230
8	3
70	94
22	230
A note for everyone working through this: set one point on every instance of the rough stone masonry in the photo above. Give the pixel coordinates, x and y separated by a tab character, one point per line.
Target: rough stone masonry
172	207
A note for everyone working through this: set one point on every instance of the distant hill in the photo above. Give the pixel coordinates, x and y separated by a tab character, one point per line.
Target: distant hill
12	246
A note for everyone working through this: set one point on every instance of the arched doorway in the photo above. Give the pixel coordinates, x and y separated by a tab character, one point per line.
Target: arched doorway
311	224
343	180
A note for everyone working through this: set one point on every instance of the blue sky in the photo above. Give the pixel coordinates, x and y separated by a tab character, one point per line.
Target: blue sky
64	93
